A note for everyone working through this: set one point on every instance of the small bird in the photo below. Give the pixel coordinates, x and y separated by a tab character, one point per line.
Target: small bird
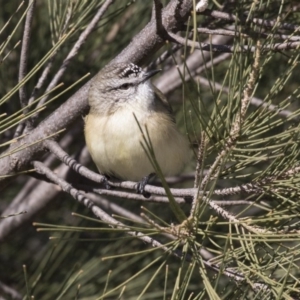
119	93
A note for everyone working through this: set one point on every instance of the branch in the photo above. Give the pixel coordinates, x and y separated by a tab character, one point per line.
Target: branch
158	199
234	33
63	156
205	46
97	211
181	194
135	196
55	149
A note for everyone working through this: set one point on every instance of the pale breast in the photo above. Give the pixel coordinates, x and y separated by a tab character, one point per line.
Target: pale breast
115	144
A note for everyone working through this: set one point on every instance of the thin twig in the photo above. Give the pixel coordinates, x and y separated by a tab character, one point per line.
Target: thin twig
200	158
231	49
157	199
254	101
270	23
227	32
24	52
23	65
133	196
116	209
64	157
12	293
267	23
42	78
219	15
205	46
157	15
257	187
164	56
222	32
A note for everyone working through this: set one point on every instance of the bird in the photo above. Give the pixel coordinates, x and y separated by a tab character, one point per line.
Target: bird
123	101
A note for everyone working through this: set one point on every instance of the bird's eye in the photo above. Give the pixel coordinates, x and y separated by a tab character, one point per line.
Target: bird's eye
125	86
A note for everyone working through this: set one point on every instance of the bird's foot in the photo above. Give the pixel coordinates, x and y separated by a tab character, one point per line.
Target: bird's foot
106	183
140	188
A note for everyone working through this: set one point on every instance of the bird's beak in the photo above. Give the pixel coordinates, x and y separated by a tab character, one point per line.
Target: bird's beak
149	74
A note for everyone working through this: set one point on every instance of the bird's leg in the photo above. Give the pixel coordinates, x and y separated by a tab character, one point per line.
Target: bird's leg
140	188
105	182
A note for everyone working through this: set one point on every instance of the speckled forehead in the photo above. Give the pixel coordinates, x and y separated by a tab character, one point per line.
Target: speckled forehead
130	71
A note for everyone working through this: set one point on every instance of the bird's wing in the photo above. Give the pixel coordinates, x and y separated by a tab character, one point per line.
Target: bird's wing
164	103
